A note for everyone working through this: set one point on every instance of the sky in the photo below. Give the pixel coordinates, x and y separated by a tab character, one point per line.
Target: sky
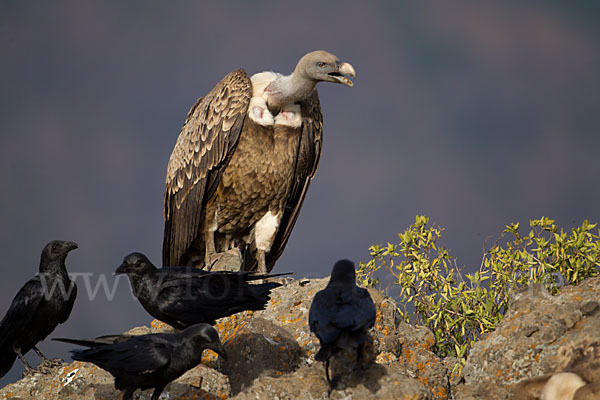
474	113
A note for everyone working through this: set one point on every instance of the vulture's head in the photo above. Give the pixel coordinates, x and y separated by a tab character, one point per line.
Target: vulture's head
321	66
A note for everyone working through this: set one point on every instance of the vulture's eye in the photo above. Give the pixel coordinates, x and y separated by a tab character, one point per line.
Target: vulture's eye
321	64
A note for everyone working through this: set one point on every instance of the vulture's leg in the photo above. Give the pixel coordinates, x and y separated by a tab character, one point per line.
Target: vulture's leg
262	262
264	235
209	249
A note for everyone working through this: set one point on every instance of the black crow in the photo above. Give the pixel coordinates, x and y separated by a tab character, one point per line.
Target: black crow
149	361
184	296
42	303
341	314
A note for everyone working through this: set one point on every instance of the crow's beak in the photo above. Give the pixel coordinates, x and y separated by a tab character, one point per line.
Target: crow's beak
123	269
70	246
220	350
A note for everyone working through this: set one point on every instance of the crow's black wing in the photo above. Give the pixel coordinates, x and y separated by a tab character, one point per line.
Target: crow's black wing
334	311
21	310
237	276
321	315
66	311
96	342
355	311
140	354
194	298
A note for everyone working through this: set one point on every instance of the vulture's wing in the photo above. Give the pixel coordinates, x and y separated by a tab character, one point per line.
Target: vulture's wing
204	147
306	166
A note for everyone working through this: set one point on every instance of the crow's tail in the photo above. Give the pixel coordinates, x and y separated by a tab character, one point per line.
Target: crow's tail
7	359
325	352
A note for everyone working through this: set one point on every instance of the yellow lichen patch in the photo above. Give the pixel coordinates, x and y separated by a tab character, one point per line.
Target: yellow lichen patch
159	325
229	327
409	355
274	302
429	342
209	357
440	392
385	358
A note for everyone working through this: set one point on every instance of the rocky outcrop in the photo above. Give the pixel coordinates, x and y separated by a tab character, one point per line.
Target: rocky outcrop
540	335
271	355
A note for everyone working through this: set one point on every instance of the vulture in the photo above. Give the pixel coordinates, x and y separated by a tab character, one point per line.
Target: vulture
242	164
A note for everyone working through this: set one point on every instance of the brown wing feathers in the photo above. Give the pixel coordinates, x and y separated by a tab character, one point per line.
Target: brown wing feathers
306	165
204	146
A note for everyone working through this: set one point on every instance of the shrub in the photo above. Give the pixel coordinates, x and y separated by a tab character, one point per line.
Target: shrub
458	310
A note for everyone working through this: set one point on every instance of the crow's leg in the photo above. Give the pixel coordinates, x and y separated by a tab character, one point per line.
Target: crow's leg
40	355
128	394
327	374
28	368
46	362
157	391
359	354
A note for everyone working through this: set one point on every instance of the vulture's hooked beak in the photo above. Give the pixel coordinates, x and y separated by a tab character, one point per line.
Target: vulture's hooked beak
343	70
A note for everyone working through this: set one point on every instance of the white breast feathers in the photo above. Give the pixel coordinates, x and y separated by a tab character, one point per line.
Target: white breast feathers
259	112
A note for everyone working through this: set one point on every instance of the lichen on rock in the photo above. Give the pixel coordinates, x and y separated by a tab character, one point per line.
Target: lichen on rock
271	355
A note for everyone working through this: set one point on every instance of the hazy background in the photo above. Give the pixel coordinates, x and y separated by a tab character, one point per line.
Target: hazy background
477	114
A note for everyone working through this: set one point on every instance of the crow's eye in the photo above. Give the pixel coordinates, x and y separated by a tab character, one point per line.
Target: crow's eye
54	247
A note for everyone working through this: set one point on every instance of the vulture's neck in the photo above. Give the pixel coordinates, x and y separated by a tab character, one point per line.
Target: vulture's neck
289	90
